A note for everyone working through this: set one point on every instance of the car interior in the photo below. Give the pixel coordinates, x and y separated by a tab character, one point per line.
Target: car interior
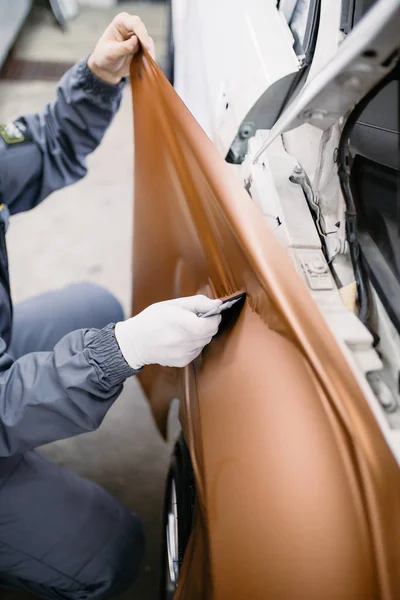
375	181
375	175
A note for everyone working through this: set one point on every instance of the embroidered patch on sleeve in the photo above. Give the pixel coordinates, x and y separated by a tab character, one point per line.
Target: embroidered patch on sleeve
14	133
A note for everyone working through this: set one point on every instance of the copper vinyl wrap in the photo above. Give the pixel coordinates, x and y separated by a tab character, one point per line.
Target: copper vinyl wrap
298	492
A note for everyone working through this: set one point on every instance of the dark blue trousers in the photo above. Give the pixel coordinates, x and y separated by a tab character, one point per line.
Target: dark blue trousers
62	536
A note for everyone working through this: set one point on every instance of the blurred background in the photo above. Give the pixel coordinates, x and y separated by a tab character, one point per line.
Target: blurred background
84	233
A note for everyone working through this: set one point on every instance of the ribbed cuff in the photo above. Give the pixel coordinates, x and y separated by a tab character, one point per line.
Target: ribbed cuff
105	352
101	91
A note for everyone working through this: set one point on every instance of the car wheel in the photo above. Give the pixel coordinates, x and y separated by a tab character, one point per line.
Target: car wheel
170	59
177	522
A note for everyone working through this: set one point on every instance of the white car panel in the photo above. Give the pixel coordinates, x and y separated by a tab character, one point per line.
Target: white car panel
221	74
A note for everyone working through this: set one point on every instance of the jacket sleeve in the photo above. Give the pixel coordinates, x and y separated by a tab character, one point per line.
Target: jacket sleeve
41	153
47	396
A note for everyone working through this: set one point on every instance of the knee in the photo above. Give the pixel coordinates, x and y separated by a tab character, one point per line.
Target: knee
104	306
121	562
129	553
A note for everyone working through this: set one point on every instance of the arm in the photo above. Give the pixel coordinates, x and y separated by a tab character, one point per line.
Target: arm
47	396
43	152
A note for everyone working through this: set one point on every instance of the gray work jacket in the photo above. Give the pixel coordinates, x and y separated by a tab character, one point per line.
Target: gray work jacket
47	396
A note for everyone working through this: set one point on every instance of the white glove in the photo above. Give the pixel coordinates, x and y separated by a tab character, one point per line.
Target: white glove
168	333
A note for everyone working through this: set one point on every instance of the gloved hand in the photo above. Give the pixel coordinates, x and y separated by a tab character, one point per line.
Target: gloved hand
168	333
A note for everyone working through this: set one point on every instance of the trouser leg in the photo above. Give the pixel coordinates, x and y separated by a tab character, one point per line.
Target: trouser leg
64	537
40	322
60	535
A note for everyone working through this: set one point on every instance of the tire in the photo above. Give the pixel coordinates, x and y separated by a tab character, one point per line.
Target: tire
170	60
178	508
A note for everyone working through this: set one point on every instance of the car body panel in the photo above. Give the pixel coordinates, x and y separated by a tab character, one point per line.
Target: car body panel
221	75
279	497
298	492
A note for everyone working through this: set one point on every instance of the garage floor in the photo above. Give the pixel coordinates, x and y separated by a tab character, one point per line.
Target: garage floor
84	233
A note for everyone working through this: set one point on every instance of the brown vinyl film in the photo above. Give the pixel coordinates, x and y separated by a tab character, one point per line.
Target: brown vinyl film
299	494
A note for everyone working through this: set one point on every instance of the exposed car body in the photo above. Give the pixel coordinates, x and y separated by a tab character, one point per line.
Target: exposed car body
290	415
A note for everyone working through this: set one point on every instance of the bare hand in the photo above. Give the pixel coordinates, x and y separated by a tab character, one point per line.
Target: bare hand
119	43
